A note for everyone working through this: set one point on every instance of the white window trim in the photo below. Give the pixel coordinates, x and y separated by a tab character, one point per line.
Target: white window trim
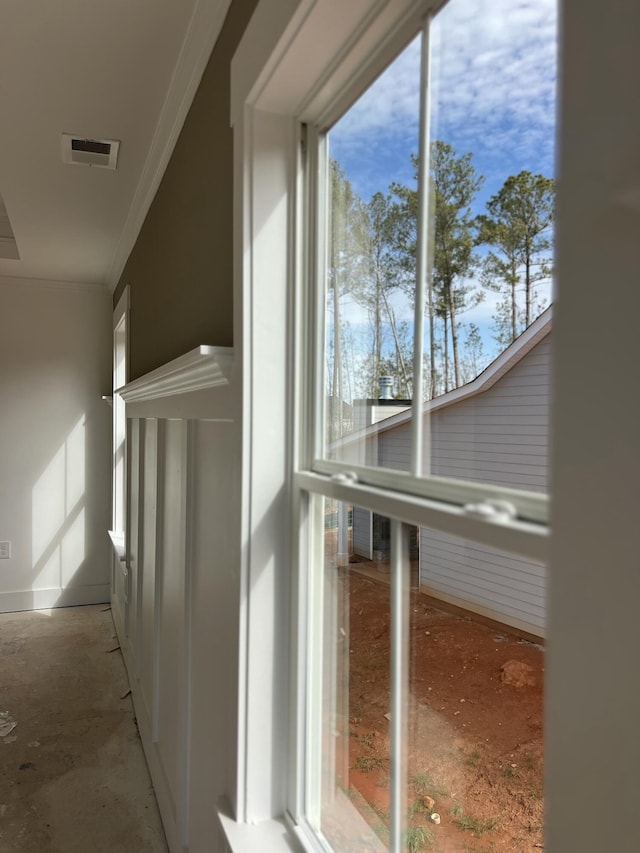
268	102
596	457
120	316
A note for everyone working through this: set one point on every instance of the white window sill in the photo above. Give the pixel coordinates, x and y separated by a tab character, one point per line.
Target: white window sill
268	836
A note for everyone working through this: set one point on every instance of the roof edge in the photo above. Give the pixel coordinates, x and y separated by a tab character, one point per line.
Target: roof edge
507	360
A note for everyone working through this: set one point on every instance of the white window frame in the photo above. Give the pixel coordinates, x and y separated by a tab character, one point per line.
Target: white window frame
402	498
278	80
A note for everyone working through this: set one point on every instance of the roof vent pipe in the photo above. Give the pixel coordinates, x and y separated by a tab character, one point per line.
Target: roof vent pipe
386	387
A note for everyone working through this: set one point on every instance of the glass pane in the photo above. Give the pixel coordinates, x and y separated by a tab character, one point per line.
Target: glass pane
475	751
354	753
472	712
489	236
370	285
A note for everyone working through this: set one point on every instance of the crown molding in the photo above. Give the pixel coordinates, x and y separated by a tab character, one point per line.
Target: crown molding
19	282
199	370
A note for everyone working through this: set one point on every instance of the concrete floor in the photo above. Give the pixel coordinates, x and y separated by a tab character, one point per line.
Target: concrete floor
73	777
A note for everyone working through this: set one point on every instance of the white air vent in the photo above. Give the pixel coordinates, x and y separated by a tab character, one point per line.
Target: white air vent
90	152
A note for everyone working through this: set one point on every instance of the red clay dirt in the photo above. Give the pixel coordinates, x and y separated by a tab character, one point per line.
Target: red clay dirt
475	741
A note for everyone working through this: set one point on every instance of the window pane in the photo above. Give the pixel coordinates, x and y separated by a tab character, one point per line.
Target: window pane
471	700
370	284
475	698
484	397
354	752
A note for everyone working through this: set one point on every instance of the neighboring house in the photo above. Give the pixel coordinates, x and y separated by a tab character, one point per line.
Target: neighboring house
493	430
197	223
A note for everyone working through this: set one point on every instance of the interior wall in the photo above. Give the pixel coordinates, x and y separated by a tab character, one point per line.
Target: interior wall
180	270
55	454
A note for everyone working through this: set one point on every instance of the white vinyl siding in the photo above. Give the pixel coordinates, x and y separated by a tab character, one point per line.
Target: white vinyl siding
362	532
394	448
492	582
500	436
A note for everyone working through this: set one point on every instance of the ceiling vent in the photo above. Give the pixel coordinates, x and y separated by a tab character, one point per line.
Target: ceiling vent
90	152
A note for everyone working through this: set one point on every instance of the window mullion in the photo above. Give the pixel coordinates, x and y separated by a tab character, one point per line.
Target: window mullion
399	682
423	270
319	211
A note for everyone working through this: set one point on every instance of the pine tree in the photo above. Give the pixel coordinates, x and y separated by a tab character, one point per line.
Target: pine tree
454	184
518	227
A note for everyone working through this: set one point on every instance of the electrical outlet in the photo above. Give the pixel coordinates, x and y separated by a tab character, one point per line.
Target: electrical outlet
5	550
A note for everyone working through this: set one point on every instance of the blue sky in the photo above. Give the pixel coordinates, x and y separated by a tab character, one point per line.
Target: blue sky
493	93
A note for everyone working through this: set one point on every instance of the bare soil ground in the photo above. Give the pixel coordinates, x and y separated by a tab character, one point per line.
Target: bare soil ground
475	743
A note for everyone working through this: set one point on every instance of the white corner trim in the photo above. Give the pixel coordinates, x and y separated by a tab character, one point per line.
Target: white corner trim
117	543
203	368
202	33
122	308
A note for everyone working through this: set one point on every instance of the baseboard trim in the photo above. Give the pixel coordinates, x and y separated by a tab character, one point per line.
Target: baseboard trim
47	599
164	796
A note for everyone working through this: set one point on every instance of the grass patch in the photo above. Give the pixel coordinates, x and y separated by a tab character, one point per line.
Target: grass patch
475	849
424	783
417	838
418	807
367	763
472	824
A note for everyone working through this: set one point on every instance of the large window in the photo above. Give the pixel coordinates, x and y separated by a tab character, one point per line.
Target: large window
430	216
308	62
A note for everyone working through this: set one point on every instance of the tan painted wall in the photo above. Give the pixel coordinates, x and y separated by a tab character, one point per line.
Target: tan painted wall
180	270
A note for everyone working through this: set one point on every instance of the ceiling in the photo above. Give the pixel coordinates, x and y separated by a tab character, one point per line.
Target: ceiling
124	70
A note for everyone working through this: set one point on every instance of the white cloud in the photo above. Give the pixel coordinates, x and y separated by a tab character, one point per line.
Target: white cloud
493	92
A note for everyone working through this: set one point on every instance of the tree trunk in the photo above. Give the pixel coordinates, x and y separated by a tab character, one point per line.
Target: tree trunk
446	350
514	319
432	345
336	415
454	340
527	287
378	338
400	359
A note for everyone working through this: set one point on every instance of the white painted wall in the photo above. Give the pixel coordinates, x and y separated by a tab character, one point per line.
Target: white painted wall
55	457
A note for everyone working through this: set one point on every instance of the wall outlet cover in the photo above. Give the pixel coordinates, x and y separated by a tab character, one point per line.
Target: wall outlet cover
5	550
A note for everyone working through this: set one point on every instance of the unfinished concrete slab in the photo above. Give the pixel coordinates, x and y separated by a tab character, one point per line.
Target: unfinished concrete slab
73	776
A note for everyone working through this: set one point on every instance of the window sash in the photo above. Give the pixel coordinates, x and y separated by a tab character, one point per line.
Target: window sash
527	505
526	538
445	504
